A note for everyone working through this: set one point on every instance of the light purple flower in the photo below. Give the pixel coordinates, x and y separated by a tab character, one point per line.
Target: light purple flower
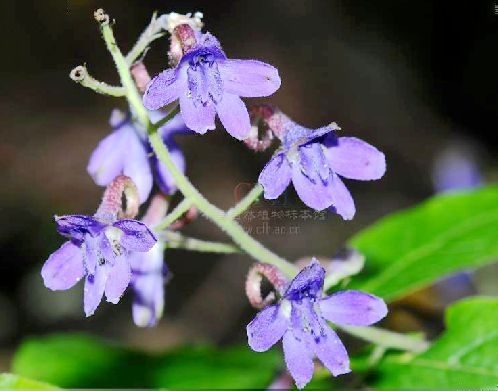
148	278
126	151
313	159
206	83
299	319
98	249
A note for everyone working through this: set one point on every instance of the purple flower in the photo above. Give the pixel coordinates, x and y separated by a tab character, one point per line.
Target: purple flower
148	278
126	151
99	248
314	159
206	83
299	319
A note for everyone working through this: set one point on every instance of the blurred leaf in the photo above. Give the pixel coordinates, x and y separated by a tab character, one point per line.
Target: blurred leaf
10	381
79	361
465	356
413	248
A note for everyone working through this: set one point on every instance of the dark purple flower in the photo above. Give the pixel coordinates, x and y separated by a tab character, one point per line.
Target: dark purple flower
206	83
299	319
314	159
126	151
148	278
99	248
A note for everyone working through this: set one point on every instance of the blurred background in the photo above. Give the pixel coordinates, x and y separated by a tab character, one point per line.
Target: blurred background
416	79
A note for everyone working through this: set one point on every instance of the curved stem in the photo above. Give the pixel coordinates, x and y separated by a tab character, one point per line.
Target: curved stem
80	75
246	202
386	338
216	215
174	215
152	32
178	241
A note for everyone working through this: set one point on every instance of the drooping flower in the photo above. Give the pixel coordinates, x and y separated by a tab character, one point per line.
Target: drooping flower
206	83
126	151
313	159
300	320
149	272
98	249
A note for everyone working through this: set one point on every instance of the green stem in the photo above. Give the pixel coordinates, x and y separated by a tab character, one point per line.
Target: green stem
245	202
178	241
150	34
174	215
80	75
387	339
216	215
134	98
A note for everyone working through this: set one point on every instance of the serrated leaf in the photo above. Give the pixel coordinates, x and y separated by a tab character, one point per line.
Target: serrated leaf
10	381
411	249
465	356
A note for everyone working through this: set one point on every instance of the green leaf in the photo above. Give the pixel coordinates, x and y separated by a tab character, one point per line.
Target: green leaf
10	381
79	361
411	249
465	356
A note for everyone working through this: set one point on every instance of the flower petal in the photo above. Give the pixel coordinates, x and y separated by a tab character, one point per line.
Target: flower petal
331	352
298	358
118	280
234	116
249	78
266	328
164	89
94	289
77	226
137	166
107	160
342	202
275	177
64	268
353	308
199	118
311	189
355	159
148	271
136	235
164	178
307	283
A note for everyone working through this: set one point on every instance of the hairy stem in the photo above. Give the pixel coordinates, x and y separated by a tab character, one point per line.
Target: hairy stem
387	339
178	241
216	215
246	202
174	215
80	75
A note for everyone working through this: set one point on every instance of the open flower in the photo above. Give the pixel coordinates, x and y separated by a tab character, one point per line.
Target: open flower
299	319
126	151
314	159
206	83
99	248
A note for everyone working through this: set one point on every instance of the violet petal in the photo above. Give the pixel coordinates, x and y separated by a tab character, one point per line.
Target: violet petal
136	235
164	89
331	352
64	268
118	280
298	359
249	78
353	308
355	159
234	116
275	177
266	328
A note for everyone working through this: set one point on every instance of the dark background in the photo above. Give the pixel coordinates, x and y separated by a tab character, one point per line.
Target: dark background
412	78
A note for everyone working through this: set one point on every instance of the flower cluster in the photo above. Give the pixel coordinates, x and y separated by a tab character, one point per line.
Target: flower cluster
112	250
